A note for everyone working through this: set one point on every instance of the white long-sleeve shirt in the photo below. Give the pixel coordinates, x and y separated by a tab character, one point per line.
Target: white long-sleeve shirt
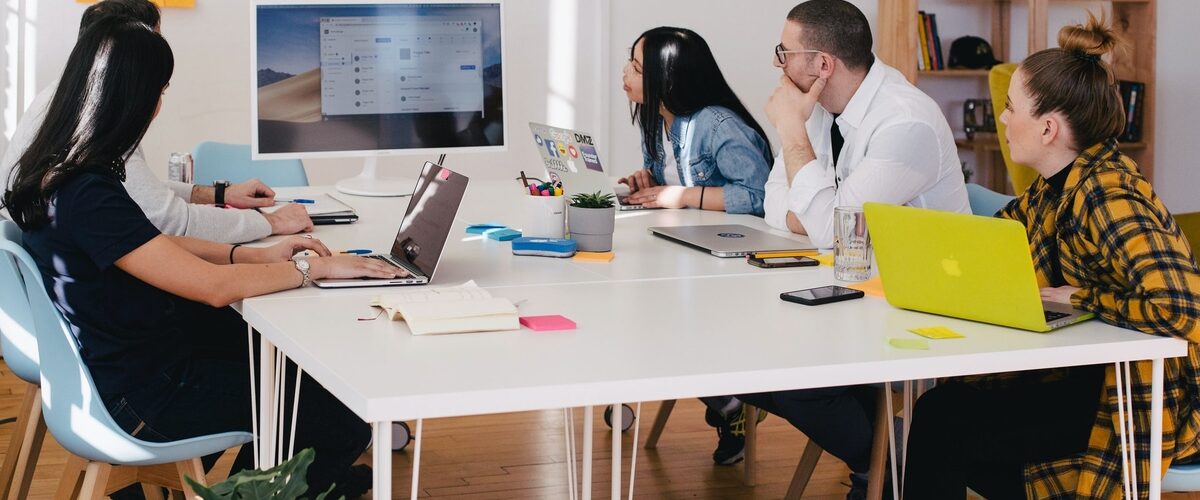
166	203
898	149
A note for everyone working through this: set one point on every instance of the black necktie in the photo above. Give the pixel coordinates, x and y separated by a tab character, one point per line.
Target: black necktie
835	135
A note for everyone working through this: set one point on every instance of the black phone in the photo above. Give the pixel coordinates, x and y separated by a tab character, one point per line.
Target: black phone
821	295
774	262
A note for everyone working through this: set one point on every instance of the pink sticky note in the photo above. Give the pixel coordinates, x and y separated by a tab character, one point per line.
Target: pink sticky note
547	323
444	174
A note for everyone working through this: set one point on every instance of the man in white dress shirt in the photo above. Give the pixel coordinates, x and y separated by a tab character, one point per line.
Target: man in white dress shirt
853	129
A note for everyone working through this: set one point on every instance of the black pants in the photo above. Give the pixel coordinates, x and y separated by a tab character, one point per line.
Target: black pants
210	393
963	436
836	418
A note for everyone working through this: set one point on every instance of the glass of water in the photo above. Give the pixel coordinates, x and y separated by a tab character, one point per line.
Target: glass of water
852	248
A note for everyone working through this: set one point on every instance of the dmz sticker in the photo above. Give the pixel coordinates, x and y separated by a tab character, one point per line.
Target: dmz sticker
731	235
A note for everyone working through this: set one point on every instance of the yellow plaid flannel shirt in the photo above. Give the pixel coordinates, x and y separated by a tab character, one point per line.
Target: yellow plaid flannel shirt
1119	245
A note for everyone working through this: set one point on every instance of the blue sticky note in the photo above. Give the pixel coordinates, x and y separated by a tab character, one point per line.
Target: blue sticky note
503	234
483	228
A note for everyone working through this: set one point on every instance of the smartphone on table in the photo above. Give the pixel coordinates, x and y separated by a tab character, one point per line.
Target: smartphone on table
821	295
777	262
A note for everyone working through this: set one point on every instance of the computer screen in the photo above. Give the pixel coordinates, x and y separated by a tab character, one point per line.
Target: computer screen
375	77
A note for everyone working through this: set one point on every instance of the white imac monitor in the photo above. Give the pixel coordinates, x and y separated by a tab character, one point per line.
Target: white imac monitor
369	78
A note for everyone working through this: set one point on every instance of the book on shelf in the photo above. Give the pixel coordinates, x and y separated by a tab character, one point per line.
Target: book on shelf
937	42
929	57
1133	97
457	309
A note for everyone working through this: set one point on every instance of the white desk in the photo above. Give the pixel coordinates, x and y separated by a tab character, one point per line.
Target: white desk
705	327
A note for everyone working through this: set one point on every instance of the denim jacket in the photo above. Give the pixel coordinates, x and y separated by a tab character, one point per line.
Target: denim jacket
714	147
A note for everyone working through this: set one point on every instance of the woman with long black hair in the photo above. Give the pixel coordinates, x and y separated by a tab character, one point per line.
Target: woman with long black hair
715	156
148	310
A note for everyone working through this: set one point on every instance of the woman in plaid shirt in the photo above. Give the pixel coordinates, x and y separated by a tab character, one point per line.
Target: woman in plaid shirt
1103	242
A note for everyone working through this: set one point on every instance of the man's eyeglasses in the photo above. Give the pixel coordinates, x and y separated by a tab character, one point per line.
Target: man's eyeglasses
781	53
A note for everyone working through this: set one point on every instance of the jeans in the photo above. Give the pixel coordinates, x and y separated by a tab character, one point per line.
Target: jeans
963	435
836	418
210	393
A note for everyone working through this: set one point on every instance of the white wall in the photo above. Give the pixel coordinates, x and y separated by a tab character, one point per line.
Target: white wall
564	68
1176	170
209	97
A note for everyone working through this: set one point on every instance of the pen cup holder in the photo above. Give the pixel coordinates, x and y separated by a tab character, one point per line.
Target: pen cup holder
545	216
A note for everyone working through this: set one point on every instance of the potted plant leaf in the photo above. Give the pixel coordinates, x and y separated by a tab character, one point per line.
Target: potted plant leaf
284	482
590	220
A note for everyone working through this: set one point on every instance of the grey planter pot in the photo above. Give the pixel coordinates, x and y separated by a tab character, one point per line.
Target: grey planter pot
592	228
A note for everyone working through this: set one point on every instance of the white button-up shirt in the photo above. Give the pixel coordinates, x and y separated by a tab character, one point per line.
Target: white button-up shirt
898	149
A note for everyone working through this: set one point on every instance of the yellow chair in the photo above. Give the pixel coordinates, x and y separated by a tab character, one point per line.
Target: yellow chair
1021	176
1190	225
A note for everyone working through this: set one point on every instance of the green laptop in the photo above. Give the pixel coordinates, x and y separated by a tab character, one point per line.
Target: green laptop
963	266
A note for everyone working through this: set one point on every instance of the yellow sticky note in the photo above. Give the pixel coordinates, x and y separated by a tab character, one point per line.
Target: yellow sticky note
826	259
872	287
936	332
914	344
594	256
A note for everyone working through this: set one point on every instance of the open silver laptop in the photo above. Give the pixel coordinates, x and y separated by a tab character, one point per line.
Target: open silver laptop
423	232
731	240
571	156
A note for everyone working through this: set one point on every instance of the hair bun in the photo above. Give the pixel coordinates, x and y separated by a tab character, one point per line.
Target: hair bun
1090	40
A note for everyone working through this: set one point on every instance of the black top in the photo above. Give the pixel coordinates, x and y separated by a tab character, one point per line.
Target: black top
1056	182
128	330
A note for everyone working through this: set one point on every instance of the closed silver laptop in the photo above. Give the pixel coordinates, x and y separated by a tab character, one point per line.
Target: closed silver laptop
423	232
572	157
732	240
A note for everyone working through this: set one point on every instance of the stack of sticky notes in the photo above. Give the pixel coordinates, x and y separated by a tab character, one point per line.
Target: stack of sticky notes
594	256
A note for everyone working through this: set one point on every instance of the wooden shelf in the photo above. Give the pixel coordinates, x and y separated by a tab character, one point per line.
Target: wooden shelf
954	73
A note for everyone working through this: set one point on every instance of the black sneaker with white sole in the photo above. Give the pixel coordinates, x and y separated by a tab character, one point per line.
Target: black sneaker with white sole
731	447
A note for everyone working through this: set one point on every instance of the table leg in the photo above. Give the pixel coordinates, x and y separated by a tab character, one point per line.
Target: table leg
253	398
617	425
1156	423
569	435
416	474
266	402
587	452
382	460
295	413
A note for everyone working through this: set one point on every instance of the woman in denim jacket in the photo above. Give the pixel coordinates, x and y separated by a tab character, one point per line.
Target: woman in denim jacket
716	156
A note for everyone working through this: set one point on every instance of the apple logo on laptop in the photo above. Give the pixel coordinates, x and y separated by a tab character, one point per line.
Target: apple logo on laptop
731	235
951	267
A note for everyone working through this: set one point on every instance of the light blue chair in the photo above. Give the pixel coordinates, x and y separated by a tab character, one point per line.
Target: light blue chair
984	201
218	161
79	421
19	343
1182	478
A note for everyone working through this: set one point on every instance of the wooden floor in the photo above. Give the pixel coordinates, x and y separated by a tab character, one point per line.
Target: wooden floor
521	455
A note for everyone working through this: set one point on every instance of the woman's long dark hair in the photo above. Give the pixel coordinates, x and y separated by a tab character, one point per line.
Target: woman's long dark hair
104	103
680	73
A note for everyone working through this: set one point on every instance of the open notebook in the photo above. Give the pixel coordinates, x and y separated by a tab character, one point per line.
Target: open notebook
456	309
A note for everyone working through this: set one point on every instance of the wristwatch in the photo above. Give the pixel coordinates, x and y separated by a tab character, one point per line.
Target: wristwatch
219	192
303	266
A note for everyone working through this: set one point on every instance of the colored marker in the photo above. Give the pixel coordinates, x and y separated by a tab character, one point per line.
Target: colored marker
356	251
305	201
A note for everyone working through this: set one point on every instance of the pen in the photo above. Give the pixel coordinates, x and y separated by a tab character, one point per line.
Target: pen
524	180
356	251
298	200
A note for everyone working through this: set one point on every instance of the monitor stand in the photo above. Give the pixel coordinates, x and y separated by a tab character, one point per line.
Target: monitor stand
368	183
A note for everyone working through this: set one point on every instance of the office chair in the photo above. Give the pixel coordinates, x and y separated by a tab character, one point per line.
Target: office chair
217	161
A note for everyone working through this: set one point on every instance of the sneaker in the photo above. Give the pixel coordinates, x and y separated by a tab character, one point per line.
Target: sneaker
731	448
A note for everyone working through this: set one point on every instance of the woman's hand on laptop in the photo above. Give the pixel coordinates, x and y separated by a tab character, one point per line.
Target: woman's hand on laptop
282	251
352	266
1059	295
638	181
660	197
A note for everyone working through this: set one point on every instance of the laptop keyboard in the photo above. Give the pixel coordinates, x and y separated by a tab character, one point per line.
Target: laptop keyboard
385	260
1054	316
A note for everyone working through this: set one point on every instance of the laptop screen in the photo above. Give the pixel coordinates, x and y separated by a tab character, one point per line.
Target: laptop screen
431	212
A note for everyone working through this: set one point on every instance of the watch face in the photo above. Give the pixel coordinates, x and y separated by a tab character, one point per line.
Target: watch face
302	264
